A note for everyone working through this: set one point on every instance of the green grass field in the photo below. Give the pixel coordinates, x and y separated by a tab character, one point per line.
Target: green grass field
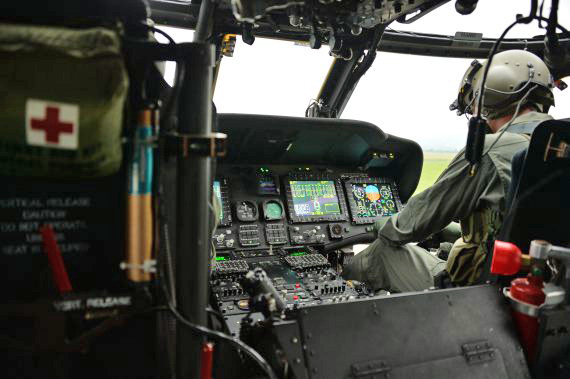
434	164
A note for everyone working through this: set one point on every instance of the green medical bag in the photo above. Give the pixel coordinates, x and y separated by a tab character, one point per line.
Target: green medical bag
62	95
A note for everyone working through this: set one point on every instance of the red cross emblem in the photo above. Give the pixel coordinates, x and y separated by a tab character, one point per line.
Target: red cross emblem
52	124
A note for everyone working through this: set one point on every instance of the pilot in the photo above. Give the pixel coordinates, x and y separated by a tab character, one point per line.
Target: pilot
516	99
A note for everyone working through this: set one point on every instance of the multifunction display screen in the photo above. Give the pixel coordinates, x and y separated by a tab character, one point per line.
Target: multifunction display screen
314	198
373	200
218	193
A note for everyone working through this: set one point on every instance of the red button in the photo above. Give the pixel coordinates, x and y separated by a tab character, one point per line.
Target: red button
297	285
295	297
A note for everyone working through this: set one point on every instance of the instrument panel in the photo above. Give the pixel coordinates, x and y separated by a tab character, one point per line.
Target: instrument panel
284	206
301	277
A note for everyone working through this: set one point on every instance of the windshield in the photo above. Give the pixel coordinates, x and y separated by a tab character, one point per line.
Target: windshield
409	96
404	95
270	77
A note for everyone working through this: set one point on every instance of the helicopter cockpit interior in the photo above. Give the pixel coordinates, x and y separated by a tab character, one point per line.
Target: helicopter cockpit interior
146	233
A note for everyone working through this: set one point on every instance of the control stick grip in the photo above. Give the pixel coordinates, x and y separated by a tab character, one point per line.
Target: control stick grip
256	283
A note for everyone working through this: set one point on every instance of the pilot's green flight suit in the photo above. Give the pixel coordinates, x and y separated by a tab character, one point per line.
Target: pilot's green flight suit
477	202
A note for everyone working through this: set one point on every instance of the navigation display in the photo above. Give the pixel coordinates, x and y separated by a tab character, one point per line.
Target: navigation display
373	200
218	193
314	198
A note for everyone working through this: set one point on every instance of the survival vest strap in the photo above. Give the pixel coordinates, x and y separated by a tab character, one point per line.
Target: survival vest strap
524	128
467	257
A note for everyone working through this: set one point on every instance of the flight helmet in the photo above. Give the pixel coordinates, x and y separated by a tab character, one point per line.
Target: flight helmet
513	73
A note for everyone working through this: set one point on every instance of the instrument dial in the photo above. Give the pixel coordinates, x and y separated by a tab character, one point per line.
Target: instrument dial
246	211
273	210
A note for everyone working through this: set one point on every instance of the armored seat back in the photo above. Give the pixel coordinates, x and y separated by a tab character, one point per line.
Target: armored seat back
540	200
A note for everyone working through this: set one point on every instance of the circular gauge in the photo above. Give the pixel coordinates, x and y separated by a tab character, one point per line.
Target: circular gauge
336	230
385	192
273	210
390	204
246	211
358	192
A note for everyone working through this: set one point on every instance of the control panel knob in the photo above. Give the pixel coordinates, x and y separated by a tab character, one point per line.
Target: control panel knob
230	243
335	231
220	238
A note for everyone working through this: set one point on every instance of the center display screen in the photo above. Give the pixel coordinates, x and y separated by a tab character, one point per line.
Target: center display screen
314	198
373	200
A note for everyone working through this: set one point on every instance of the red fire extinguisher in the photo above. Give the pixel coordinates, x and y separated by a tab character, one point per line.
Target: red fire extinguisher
527	295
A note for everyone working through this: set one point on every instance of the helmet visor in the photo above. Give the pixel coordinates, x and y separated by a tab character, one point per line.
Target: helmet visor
466	96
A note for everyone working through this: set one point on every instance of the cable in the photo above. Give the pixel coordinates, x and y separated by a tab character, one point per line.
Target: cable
178	78
553	18
284	6
169	263
209	332
562	28
493	51
525	20
224	337
488	66
540	10
218	335
522	20
552	24
530	77
161	32
515	114
251	20
172	308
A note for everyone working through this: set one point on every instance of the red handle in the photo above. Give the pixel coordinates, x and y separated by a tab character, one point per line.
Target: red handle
55	260
207	360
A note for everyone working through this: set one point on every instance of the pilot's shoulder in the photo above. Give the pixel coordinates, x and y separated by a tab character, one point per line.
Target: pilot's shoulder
501	140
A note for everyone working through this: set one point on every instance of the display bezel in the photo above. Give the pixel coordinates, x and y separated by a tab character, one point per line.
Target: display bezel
352	203
293	218
226	209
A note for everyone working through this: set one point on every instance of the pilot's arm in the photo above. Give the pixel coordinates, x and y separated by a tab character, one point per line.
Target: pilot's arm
454	196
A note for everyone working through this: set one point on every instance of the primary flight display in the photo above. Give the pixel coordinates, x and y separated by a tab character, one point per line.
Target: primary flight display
314	198
373	200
